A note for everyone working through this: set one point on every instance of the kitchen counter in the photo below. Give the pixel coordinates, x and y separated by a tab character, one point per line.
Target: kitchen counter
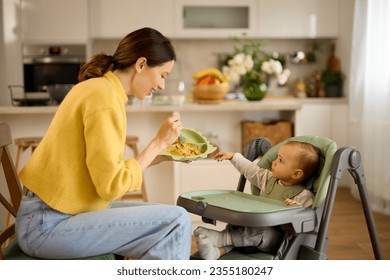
268	104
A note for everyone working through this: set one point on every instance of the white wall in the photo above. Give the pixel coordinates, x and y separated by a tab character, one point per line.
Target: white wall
11	63
2	56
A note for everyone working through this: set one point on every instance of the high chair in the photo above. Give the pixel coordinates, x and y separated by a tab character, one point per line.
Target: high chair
10	198
305	229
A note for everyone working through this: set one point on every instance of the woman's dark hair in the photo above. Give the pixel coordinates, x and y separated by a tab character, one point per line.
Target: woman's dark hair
145	42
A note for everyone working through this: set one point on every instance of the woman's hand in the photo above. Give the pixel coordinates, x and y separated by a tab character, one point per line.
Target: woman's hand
169	131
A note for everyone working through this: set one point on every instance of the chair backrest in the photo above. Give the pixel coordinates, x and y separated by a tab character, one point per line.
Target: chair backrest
326	147
11	196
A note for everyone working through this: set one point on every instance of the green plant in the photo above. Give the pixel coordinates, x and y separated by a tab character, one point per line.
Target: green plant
311	54
329	77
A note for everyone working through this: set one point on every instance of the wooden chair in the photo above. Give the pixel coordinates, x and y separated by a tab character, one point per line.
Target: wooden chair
10	198
24	143
131	142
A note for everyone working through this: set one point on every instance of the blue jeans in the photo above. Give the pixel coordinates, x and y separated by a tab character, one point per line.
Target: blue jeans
132	229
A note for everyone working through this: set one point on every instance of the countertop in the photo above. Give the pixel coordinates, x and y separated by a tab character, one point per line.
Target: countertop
267	104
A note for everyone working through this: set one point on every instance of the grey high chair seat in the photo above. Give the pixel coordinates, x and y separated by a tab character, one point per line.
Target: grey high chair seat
305	228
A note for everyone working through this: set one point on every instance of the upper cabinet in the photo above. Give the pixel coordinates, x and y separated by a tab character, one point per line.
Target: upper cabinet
116	18
77	21
298	18
215	19
54	21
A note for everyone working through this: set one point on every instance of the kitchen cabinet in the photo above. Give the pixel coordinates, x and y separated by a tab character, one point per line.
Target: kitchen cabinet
328	120
112	19
215	19
54	21
298	18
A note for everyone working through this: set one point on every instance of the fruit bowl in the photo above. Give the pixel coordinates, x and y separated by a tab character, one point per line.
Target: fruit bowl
210	91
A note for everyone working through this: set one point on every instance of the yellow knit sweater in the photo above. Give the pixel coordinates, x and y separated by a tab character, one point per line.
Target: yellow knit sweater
79	165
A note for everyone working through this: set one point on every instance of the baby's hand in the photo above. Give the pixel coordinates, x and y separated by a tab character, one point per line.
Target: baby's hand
224	156
289	201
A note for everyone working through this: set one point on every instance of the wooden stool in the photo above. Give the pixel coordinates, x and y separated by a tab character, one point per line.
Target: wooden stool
23	144
131	142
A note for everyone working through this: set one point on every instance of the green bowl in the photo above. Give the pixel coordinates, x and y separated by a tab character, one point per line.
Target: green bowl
193	137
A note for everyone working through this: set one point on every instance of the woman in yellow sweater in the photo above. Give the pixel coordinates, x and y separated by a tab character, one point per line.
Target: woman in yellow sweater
77	173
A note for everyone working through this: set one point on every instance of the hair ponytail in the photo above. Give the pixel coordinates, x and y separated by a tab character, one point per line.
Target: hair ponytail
95	67
145	42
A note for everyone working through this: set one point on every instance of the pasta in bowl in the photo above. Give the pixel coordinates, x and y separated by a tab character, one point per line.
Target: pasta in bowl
196	146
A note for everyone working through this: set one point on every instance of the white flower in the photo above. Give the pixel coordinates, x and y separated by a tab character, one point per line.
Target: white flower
232	73
249	63
238	66
272	67
238	59
283	77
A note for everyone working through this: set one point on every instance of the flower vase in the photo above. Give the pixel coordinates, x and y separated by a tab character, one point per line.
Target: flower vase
254	90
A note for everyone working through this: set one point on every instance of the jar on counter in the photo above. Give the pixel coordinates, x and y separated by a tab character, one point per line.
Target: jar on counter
301	89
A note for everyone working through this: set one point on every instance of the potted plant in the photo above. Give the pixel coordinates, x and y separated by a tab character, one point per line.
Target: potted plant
332	78
332	82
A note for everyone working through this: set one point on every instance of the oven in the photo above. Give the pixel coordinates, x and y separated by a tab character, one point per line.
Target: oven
45	65
48	65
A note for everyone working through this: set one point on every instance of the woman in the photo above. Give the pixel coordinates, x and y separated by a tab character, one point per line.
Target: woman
77	172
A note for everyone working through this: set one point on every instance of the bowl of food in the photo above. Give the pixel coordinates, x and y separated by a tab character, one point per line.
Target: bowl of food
59	91
194	146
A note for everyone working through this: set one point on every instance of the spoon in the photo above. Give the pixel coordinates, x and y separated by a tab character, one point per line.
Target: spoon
182	139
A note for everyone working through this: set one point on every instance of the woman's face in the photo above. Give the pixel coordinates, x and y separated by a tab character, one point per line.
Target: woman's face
150	79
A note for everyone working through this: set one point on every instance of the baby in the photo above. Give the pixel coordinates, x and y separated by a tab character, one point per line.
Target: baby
295	162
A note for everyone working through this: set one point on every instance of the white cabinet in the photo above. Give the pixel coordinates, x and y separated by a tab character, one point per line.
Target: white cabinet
54	21
324	120
215	19
116	18
298	18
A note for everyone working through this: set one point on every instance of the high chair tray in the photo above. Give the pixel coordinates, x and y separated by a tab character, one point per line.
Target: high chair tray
242	209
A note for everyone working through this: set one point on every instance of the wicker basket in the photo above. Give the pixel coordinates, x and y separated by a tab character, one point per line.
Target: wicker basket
276	132
210	91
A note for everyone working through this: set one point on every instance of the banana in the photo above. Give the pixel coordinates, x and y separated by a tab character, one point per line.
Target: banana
209	71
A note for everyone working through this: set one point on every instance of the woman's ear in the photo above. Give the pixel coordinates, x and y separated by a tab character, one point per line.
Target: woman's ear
140	64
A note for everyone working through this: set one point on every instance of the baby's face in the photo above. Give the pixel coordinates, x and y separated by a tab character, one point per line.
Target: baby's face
285	164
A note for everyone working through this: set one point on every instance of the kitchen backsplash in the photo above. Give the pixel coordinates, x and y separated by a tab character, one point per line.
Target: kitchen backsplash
194	55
